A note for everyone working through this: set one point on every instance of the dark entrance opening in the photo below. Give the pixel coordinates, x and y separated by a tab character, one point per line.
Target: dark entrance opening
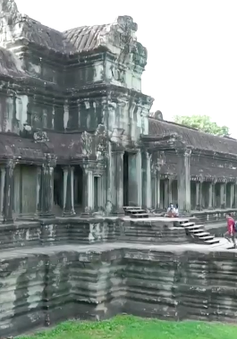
96	193
58	186
78	189
162	194
125	179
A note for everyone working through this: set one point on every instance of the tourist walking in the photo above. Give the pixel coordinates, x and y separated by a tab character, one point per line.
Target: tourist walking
230	234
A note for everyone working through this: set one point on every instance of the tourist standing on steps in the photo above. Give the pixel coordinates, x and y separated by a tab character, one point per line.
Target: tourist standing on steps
230	234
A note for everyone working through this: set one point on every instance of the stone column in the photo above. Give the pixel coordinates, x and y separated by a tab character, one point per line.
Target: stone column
8	192
135	178
46	189
139	176
38	184
88	190
198	195
232	195
223	195
68	191
117	181
166	193
184	181
235	194
3	175
148	201
210	193
214	194
158	189
170	193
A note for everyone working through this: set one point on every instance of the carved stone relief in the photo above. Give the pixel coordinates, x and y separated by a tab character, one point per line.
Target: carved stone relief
40	136
87	143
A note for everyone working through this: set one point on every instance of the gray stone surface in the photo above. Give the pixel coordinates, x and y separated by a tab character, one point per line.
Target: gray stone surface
89	231
42	286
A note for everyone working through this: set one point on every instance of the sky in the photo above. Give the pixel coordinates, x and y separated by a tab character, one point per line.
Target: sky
192	50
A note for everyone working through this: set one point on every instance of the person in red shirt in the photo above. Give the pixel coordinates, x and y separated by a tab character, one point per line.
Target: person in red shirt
230	234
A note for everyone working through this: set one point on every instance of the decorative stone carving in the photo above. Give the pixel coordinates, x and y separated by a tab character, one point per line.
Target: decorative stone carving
187	152
101	141
51	159
161	159
87	143
40	136
10	165
157	115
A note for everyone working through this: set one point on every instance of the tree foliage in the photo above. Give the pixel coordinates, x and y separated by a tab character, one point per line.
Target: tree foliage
202	123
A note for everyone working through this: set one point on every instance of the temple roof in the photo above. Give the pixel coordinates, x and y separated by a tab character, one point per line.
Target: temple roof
34	32
113	37
86	38
193	138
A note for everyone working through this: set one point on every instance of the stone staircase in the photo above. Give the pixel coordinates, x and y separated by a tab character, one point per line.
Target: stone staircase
135	212
197	232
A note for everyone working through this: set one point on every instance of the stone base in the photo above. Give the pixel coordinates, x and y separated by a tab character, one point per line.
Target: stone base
44	286
74	230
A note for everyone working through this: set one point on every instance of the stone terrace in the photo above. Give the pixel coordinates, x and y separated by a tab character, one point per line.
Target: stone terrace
43	285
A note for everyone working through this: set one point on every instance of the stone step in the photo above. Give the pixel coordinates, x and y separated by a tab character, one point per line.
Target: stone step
135	211
186	224
144	215
207	237
203	235
211	242
194	227
195	230
132	207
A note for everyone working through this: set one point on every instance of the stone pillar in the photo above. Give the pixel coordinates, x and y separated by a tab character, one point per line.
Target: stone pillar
38	185
166	194
8	192
223	195
3	175
68	191
170	193
148	200
198	195
214	195
210	194
46	189
117	181
235	195
184	181
158	189
139	177
88	190
135	178
232	195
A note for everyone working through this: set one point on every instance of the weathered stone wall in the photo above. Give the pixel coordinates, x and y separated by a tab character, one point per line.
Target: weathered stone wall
42	286
87	231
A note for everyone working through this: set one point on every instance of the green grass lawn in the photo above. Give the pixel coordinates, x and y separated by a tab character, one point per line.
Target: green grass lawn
128	327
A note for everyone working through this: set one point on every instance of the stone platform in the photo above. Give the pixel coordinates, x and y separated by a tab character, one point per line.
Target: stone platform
43	285
89	231
94	268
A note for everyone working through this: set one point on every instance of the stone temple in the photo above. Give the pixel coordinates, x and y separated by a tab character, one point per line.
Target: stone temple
84	168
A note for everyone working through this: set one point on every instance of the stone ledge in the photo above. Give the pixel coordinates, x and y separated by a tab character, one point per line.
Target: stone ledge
42	286
89	231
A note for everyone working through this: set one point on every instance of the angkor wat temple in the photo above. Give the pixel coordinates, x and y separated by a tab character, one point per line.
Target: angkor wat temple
78	143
